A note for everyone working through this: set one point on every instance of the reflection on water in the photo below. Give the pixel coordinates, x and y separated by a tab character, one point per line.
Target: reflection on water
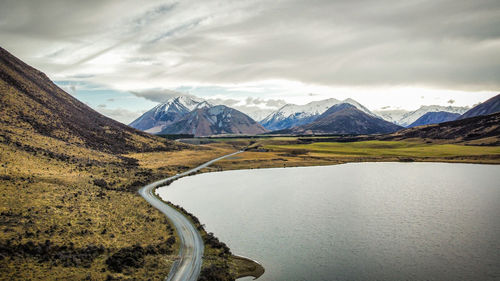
360	221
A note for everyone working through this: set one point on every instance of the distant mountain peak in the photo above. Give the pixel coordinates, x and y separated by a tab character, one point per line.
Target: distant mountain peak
346	118
214	120
173	109
405	117
337	107
203	104
291	115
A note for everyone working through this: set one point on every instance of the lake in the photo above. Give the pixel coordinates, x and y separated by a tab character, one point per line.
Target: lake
357	221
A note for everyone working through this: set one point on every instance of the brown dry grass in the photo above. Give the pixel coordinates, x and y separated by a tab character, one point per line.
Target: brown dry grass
49	199
45	198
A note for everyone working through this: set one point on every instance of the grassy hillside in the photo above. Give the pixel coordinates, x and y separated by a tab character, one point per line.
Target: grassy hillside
31	104
84	218
69	179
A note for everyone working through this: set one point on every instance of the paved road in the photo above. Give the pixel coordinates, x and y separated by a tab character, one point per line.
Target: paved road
188	266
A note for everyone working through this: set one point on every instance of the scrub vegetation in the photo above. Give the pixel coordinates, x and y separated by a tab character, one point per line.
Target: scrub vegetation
82	218
69	177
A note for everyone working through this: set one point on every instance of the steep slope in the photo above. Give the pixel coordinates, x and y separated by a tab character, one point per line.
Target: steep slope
70	208
488	107
66	191
32	105
292	115
412	116
154	120
485	128
346	119
434	118
215	120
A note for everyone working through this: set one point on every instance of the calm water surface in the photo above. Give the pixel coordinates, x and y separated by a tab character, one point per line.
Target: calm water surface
360	221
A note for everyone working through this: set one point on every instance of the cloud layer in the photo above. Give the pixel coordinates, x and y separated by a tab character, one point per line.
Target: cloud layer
166	44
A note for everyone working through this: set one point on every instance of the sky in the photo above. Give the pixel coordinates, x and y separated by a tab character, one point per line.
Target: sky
122	57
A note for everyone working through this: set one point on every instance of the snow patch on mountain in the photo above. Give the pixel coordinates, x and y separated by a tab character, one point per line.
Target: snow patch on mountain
412	116
292	115
154	120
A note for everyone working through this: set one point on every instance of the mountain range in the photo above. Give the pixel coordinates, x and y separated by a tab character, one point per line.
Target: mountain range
190	115
292	115
164	114
345	118
406	118
215	120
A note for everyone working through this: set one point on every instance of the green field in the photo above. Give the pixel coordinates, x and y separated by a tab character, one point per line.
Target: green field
388	148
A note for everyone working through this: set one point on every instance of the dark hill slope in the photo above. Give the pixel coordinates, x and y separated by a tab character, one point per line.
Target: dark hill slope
488	107
346	119
30	104
434	118
485	128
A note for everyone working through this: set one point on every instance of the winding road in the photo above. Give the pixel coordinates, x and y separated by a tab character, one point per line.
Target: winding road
188	266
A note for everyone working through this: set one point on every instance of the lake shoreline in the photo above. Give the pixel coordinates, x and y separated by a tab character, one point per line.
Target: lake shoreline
241	265
210	212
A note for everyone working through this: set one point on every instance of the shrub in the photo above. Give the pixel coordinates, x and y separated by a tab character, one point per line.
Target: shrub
100	183
126	257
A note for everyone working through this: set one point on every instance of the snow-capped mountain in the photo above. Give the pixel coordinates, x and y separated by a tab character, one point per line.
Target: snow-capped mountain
345	118
405	118
292	115
215	120
201	105
154	120
412	116
391	115
434	118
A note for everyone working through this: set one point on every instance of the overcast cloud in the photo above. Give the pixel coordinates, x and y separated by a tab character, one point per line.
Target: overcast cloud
136	46
451	44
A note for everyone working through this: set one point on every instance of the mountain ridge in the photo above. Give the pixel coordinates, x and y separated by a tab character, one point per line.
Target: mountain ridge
406	117
483	127
434	118
292	115
490	106
345	118
168	112
219	119
32	104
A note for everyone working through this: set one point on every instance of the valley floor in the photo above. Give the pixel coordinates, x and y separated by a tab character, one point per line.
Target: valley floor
294	152
78	216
